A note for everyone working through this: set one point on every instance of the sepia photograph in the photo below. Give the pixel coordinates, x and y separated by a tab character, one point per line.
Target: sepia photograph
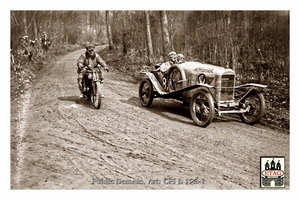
150	99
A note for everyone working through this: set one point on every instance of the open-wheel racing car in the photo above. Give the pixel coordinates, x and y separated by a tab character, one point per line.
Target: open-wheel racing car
209	90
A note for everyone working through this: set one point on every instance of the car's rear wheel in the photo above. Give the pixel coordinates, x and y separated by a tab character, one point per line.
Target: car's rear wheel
146	94
202	108
255	103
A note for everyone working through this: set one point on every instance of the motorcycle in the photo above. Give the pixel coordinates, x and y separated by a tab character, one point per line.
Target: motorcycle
92	86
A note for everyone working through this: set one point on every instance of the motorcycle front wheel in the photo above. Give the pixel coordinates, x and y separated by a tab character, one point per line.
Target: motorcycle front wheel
97	97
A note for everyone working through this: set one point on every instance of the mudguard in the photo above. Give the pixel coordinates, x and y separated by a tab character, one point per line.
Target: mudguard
251	84
155	83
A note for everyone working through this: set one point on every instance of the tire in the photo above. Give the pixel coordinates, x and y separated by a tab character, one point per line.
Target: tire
97	97
256	102
146	94
176	78
202	108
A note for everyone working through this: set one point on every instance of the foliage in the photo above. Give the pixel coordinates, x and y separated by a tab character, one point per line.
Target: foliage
68	27
219	37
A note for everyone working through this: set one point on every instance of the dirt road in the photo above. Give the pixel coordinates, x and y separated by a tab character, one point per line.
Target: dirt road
62	142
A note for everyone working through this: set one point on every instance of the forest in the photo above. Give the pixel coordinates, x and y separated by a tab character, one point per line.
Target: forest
256	44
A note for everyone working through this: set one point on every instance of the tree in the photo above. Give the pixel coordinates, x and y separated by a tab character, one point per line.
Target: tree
148	38
124	33
25	23
165	34
109	34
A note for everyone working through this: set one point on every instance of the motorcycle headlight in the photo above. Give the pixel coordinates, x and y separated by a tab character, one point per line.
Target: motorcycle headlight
202	78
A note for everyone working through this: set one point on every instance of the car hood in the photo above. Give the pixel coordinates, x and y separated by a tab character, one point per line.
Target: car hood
199	68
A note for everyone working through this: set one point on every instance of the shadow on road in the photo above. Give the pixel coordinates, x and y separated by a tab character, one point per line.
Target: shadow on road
168	109
77	100
180	112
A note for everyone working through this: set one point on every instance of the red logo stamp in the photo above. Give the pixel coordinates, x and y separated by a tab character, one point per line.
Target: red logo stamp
272	171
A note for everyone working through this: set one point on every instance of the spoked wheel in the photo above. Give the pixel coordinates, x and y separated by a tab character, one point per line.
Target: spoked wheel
97	95
176	78
202	108
254	102
146	93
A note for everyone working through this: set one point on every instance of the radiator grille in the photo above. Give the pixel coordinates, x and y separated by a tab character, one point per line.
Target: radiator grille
227	87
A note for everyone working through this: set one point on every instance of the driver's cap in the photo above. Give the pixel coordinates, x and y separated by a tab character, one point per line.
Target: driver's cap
172	53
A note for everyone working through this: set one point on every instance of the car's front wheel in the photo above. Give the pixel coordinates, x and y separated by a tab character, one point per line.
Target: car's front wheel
146	94
255	105
202	108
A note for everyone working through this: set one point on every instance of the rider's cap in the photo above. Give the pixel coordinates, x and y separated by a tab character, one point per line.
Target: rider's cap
90	47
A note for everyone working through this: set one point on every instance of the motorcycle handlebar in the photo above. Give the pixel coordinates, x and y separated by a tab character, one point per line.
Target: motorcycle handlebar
89	68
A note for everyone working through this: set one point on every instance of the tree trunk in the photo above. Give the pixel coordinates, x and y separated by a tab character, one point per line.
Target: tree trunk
215	37
165	34
109	34
184	45
246	41
124	34
232	42
35	28
25	23
36	35
149	40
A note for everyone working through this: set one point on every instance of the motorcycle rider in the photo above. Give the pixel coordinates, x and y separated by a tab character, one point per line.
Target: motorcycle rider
89	59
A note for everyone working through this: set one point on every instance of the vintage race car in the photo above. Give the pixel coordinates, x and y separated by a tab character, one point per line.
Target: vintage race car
209	90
